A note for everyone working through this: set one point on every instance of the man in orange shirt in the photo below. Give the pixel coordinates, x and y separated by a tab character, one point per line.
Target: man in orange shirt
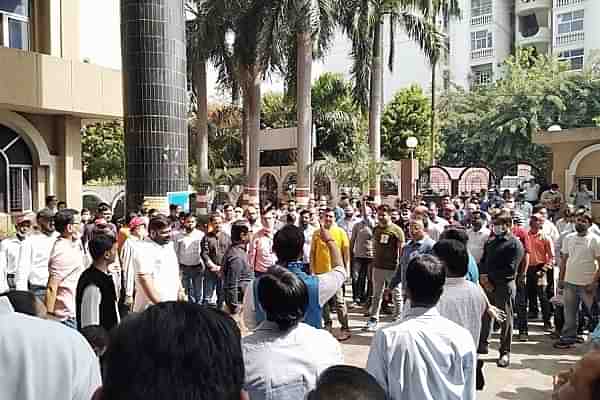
541	258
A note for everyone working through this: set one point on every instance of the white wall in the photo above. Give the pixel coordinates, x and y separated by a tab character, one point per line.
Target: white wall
592	29
101	32
460	46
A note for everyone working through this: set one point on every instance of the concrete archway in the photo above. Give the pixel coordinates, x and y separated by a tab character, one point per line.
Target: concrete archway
571	172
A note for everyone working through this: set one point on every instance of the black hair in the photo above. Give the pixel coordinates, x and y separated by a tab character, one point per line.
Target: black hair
304	211
50	198
537	208
266	210
97	337
288	243
425	278
583	213
504	218
84	210
454	255
290	219
283	296
173	207
100	244
158	223
22	301
456	234
60	203
345	382
214	216
237	229
187	215
63	218
176	351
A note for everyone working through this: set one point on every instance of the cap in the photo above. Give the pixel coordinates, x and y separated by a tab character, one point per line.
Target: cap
136	221
23	218
45	213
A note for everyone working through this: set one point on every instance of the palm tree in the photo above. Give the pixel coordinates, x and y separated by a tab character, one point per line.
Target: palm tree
206	42
363	21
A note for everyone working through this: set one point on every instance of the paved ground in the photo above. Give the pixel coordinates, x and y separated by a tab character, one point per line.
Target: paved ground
529	376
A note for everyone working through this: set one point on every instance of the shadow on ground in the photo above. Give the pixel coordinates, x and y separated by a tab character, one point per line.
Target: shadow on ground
523	393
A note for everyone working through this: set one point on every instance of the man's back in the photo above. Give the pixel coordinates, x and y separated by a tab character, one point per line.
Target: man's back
44	359
424	357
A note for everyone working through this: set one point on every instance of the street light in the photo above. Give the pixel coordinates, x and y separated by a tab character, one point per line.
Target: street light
412	143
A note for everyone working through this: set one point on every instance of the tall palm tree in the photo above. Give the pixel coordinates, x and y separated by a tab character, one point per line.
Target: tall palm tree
206	43
363	22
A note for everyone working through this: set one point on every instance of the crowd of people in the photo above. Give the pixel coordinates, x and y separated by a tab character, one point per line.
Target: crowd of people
240	305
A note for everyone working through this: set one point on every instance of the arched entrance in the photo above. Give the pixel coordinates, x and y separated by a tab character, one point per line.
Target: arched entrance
91	201
322	187
16	172
268	188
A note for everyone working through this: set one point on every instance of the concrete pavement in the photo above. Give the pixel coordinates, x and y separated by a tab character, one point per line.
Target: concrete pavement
529	376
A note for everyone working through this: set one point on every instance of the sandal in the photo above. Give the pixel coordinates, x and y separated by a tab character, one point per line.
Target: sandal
343	335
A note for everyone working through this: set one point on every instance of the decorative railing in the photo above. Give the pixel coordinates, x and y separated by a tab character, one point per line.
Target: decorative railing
482	53
485	19
568	38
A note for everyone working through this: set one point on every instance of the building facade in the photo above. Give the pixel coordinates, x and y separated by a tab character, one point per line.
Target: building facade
47	92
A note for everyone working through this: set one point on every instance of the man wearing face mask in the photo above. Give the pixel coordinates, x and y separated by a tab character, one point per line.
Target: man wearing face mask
137	233
65	265
347	224
156	267
478	236
253	222
9	253
361	251
499	268
579	275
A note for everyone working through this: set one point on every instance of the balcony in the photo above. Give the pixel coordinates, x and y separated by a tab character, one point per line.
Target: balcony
569	38
480	20
542	37
567	3
482	53
527	6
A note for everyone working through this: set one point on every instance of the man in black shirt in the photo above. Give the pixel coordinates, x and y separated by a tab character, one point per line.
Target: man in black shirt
214	245
499	266
237	273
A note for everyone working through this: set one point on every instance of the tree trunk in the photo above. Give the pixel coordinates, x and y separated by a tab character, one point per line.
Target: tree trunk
245	124
376	105
253	95
201	90
304	114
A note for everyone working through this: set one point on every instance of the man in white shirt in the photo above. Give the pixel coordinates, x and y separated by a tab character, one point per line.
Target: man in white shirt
9	253
308	229
425	356
137	233
579	275
436	223
46	359
156	267
532	190
32	271
189	254
478	236
583	198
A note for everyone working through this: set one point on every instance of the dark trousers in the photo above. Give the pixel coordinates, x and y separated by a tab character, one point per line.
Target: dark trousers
360	270
521	308
502	297
532	292
538	292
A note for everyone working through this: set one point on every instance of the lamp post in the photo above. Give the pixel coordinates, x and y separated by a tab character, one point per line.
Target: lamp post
412	143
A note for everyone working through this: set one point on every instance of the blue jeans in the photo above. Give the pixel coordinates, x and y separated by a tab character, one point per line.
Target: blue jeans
192	280
39	292
213	283
573	295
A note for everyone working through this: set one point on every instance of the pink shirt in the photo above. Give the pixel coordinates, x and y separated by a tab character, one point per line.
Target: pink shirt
66	266
260	252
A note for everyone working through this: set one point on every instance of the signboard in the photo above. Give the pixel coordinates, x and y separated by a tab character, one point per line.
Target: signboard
159	203
180	198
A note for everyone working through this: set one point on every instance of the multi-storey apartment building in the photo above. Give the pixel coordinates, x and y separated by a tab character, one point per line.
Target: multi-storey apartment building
47	92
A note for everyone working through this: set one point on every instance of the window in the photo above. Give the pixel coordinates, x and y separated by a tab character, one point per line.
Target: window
481	7
481	40
20	188
483	75
592	183
14	23
570	22
573	59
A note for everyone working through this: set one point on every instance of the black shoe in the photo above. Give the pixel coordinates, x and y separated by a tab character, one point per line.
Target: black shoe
483	350
548	327
533	315
523	337
504	361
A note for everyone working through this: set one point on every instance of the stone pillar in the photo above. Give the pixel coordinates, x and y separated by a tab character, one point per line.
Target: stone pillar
69	182
154	99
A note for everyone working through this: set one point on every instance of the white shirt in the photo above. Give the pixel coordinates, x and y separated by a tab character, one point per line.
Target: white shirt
435	229
532	192
308	234
159	262
47	360
583	252
549	229
90	306
463	302
127	264
329	283
9	254
33	260
477	240
424	357
188	249
286	365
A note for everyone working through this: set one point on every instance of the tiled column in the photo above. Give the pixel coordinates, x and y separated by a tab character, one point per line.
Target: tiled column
154	99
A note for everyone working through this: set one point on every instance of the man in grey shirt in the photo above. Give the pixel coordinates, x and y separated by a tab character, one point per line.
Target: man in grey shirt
362	253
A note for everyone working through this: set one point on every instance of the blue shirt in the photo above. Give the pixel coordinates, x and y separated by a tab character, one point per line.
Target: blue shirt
412	249
473	271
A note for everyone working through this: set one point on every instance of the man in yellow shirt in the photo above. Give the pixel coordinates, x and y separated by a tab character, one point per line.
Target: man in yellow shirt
320	263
